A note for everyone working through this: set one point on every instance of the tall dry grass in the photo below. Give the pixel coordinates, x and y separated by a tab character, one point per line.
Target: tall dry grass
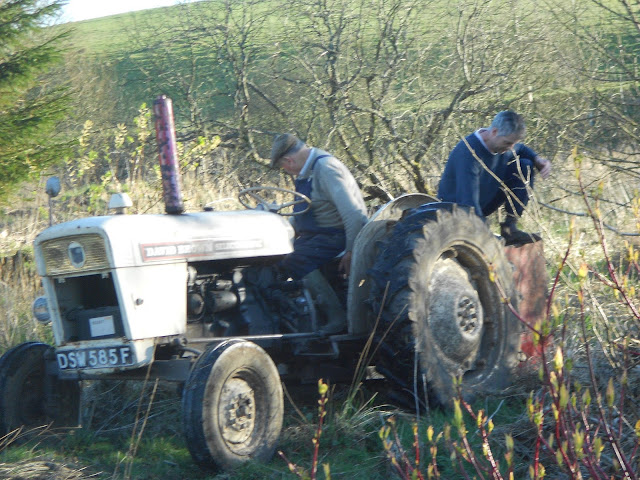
595	326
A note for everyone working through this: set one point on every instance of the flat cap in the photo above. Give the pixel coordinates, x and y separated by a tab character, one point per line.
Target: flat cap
283	144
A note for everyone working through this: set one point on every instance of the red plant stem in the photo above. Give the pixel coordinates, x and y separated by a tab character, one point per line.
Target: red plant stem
626	468
495	472
635	449
416	446
622	397
292	467
404	474
597	222
556	280
536	456
316	447
536	459
472	456
561	433
565	457
434	463
594	467
462	470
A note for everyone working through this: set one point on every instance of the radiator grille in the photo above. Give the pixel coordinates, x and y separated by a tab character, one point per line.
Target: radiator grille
76	253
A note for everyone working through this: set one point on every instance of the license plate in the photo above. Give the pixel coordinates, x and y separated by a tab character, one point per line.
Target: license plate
85	358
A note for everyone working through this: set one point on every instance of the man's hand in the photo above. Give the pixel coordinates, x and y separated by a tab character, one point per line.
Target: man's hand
543	165
345	264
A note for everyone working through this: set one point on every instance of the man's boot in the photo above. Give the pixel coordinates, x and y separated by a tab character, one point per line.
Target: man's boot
327	300
514	236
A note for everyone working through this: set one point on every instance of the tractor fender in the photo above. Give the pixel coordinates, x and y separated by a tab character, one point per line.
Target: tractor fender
360	318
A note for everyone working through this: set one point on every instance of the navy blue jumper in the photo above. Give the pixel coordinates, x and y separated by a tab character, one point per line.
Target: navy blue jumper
467	182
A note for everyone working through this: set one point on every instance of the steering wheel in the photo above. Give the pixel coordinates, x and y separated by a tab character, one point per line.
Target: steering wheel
252	198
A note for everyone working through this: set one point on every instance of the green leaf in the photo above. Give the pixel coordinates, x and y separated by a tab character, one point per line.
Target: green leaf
610	394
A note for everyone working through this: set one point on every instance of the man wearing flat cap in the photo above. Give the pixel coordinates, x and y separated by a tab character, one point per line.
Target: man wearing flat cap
329	227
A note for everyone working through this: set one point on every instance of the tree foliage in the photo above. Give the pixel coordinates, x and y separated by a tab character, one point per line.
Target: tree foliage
379	83
29	109
388	86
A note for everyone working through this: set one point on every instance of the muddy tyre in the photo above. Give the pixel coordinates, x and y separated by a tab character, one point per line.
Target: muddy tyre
232	406
437	285
27	400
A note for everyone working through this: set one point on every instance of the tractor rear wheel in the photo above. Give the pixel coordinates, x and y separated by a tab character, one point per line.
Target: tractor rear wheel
440	284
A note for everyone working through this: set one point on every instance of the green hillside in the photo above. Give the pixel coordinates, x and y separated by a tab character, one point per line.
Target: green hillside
111	37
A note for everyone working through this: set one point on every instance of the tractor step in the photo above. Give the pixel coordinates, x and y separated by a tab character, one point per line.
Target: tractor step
317	349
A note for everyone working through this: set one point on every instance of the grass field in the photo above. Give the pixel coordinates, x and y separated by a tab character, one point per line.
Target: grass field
350	444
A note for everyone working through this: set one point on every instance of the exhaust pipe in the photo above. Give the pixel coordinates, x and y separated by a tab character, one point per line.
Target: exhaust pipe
168	155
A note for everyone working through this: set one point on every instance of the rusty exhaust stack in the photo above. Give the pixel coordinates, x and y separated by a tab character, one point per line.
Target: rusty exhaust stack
168	155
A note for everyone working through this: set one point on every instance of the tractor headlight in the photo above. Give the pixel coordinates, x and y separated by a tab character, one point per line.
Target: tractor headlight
40	309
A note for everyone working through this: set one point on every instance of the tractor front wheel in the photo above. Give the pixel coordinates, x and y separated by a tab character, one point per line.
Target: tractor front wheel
232	406
29	396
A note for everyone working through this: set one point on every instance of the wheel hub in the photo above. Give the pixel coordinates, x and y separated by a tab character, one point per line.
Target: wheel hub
467	314
455	313
237	405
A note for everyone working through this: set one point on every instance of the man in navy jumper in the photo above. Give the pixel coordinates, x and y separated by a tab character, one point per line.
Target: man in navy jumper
490	168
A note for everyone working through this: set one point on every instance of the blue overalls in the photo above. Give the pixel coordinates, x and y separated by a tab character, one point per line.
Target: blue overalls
314	245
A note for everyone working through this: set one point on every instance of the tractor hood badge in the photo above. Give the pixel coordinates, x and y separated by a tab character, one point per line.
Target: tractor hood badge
76	254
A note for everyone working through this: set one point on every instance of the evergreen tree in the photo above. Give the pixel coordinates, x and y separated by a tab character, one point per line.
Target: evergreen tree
29	109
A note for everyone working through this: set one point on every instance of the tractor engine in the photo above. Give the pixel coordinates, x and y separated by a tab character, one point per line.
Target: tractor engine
242	301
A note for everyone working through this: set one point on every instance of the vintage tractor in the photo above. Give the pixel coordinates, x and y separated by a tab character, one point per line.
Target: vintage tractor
194	298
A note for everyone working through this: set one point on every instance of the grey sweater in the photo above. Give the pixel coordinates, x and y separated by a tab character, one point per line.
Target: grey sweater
336	200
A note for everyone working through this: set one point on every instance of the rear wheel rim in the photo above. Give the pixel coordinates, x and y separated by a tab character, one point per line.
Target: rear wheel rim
455	313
